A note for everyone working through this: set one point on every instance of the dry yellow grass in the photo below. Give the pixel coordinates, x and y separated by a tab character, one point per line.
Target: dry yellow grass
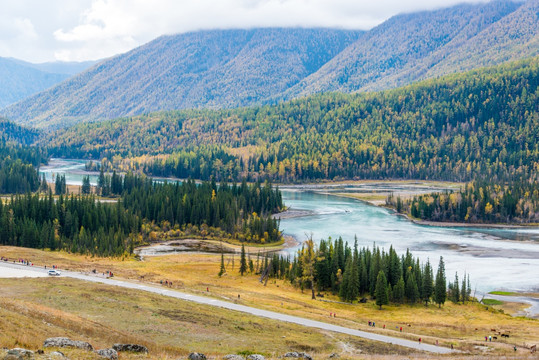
462	325
34	309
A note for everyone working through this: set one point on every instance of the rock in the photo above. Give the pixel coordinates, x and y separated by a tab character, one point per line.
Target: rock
255	357
233	357
19	354
65	342
110	354
334	356
298	355
196	356
131	347
57	355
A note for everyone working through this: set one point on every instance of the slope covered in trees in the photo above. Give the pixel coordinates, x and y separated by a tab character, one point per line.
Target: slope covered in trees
416	46
460	127
13	133
18	169
82	224
219	68
478	202
231	68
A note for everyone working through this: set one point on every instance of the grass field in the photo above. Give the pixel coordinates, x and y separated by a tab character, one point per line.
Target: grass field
464	326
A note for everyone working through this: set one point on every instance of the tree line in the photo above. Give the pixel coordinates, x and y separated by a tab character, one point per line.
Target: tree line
18	168
481	201
459	127
354	274
85	224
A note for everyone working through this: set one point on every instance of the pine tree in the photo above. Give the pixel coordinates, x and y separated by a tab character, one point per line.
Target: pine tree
463	290
455	290
243	261
222	270
86	188
412	292
381	290
427	287
398	291
440	288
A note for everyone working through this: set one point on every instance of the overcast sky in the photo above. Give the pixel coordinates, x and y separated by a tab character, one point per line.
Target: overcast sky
77	30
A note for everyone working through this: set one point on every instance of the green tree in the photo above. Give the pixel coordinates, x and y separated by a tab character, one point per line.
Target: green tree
381	290
398	291
427	287
243	261
86	188
440	288
222	269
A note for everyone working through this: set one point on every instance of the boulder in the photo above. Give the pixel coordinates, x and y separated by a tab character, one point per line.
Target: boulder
255	357
130	347
334	356
196	356
233	357
19	354
110	354
65	342
57	355
298	355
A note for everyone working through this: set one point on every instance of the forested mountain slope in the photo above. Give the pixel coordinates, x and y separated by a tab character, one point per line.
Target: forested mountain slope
421	45
18	81
232	68
481	123
221	68
13	133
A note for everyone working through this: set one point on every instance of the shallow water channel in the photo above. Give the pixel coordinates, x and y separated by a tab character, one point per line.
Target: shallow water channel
495	258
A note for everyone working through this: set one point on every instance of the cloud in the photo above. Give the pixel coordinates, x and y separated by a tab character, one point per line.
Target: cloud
92	29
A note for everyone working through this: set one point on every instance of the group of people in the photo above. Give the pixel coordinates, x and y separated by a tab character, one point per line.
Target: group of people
166	283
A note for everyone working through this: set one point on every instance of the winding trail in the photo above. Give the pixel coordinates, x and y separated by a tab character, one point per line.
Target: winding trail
242	308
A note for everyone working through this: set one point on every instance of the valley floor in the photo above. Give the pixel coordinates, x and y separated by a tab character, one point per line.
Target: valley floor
464	326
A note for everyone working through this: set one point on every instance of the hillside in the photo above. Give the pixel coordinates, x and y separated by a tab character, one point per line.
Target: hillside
480	123
221	68
11	132
18	81
416	46
234	68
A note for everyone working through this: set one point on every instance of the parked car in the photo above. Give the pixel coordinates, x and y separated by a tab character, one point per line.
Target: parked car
54	273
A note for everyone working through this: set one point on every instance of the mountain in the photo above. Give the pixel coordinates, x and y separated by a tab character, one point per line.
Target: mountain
20	79
59	67
11	132
234	68
483	123
221	68
410	47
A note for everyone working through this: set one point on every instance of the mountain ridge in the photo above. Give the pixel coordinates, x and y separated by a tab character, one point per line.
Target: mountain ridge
218	69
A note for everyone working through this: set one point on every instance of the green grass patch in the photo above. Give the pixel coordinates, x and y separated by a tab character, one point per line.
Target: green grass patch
492	302
505	293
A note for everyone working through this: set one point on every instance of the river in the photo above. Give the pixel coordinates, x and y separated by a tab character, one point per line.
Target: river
495	258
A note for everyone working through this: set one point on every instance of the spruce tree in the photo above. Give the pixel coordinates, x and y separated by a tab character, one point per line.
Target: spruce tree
86	188
222	270
243	261
456	292
463	291
381	290
440	292
398	291
427	287
412	292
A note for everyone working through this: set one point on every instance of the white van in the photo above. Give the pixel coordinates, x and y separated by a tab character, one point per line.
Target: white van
54	273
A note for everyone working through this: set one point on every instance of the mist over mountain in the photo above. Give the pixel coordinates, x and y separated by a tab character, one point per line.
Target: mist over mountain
234	68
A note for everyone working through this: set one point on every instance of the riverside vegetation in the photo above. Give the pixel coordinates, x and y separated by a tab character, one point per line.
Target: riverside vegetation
144	209
461	127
